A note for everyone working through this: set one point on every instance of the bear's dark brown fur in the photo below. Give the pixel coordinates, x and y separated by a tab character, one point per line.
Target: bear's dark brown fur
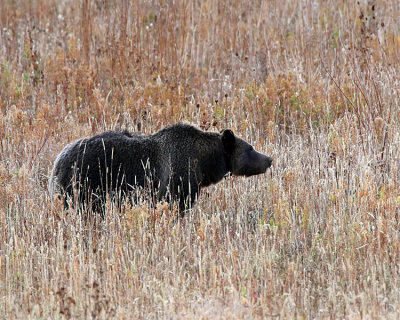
174	164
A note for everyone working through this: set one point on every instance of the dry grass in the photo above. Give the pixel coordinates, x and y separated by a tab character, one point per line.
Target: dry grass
315	84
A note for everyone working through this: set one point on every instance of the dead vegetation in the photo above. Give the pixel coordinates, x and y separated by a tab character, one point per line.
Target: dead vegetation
314	84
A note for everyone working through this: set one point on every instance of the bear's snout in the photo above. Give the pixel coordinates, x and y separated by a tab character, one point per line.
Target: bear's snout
265	162
256	163
268	162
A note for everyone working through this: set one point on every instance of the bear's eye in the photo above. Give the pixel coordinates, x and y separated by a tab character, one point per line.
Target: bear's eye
251	148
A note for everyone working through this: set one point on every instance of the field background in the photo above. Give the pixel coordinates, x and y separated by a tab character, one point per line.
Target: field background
314	84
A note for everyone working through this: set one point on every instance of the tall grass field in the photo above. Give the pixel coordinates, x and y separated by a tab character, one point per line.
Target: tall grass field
313	84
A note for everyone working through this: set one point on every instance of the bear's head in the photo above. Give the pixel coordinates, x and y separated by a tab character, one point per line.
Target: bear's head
243	160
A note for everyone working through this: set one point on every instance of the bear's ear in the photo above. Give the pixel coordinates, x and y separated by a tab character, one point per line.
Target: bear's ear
228	140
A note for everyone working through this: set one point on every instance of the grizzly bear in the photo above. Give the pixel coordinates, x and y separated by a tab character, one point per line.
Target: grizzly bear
172	164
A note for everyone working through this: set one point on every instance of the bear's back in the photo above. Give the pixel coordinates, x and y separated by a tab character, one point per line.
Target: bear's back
110	151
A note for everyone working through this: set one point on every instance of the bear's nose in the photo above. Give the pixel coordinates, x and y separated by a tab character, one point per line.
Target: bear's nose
269	161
